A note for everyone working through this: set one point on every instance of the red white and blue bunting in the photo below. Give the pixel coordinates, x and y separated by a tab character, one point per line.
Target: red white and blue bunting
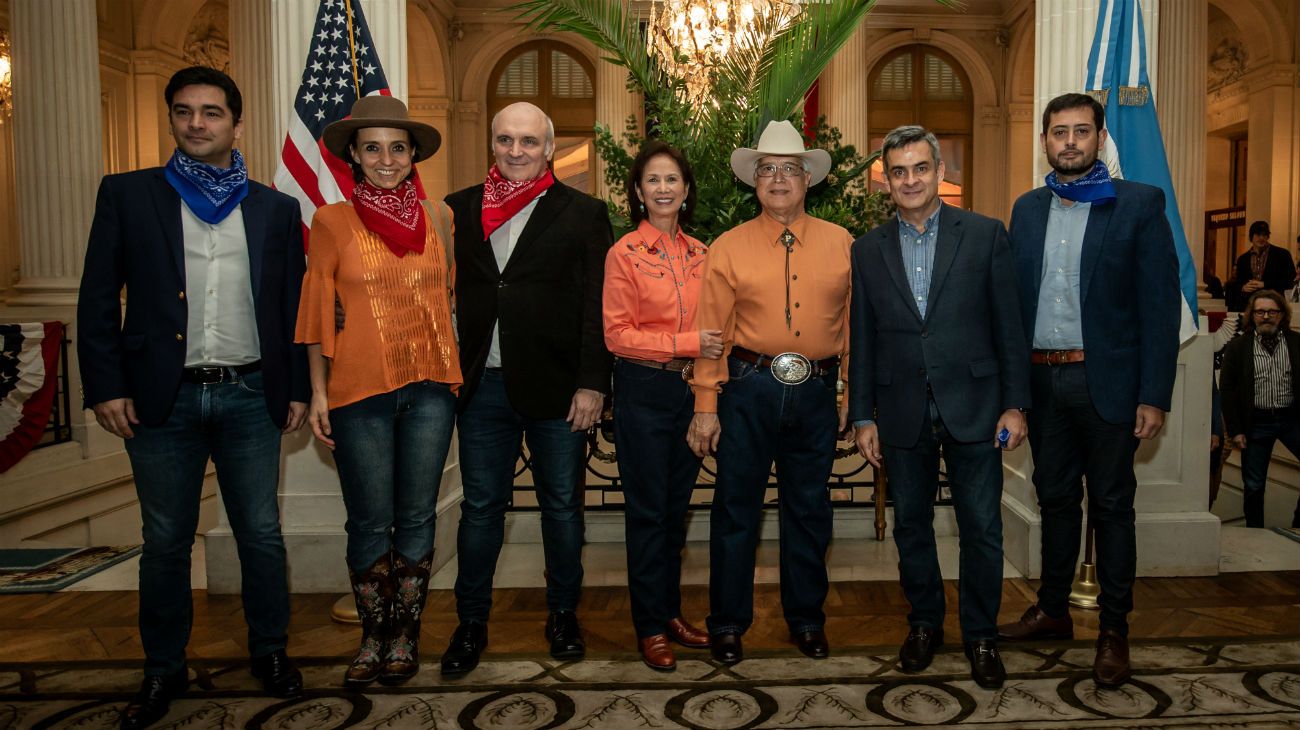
29	374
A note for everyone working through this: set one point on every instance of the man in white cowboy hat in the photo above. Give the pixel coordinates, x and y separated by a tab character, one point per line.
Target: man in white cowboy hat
778	288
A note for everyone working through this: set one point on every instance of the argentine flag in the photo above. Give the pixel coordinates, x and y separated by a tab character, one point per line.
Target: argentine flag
1117	77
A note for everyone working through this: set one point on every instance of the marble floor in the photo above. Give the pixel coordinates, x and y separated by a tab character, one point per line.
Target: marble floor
858	559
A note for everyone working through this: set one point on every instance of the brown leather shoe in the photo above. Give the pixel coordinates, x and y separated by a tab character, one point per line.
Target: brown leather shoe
657	654
1037	626
687	635
1111	667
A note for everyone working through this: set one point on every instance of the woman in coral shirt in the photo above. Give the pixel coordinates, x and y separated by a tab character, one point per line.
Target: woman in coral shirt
652	285
383	386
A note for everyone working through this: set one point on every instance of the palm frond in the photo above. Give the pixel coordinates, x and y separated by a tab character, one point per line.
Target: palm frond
610	26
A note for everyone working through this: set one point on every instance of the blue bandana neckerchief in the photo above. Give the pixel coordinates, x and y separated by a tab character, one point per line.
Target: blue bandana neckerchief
211	192
1095	187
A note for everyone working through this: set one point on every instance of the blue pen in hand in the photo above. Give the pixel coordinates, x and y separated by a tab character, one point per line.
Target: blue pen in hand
1003	437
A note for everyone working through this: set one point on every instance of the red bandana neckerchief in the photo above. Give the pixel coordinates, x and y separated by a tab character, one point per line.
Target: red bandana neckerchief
396	215
503	199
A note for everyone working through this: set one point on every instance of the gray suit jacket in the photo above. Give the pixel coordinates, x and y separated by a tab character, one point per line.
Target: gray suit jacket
970	347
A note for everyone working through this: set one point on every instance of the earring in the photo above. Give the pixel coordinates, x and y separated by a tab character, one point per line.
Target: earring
683	205
642	207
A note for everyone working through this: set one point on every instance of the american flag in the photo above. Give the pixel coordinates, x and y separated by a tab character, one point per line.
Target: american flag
341	65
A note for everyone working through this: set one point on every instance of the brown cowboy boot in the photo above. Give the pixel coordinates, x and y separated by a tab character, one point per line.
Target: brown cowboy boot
410	586
372	591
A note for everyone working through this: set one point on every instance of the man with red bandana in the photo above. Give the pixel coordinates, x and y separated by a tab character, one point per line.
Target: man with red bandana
530	257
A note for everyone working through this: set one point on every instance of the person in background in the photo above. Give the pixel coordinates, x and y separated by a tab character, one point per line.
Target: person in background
1264	266
383	387
652	287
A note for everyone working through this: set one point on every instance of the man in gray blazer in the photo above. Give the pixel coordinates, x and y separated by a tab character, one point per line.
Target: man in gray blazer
938	364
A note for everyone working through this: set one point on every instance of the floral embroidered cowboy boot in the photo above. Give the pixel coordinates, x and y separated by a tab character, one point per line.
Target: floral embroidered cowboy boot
372	590
410	586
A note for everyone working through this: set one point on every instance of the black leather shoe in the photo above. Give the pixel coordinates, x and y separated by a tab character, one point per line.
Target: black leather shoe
280	678
985	663
565	635
466	646
726	648
153	700
918	648
812	644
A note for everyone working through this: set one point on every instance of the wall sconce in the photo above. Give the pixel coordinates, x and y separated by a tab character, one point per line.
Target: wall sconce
6	81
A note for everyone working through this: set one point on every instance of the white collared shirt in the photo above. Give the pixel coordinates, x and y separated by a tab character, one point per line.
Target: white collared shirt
222	323
503	246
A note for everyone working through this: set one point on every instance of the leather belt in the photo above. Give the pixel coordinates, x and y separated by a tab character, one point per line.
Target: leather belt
819	367
219	373
675	365
1055	357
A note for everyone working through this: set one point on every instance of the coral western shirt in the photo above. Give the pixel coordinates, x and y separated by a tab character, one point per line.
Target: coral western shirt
744	295
398	326
652	287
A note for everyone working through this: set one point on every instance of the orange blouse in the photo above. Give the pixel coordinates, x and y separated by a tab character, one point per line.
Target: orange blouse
652	285
398	327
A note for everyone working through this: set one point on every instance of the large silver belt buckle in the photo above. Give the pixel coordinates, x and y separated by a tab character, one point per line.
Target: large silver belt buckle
791	368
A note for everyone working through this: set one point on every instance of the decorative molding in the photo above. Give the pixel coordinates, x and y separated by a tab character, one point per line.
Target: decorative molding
207	43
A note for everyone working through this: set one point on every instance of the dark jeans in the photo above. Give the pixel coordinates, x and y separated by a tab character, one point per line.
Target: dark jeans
794	425
1071	442
975	479
1267	429
652	411
490	434
228	423
390	452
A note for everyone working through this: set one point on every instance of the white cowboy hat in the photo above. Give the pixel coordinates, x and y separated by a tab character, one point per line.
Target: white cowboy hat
780	139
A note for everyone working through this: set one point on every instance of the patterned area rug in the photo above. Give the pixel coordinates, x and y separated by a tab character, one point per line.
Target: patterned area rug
34	573
1231	683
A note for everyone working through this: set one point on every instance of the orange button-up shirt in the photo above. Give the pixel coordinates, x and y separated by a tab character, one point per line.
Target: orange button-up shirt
744	295
652	287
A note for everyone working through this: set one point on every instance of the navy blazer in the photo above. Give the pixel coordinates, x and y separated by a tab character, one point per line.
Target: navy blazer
547	301
1128	284
969	346
136	240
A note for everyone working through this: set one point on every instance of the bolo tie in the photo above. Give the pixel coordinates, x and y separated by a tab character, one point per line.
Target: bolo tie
787	240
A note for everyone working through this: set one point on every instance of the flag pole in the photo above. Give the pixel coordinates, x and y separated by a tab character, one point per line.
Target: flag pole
352	47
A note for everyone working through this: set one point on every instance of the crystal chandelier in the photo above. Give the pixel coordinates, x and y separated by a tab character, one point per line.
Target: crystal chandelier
692	37
6	84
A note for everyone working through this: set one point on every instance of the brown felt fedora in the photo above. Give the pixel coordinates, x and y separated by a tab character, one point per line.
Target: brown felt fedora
380	111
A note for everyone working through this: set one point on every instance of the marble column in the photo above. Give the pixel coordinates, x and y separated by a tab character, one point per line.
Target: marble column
1181	110
844	92
1063	31
614	104
58	146
270	40
1176	534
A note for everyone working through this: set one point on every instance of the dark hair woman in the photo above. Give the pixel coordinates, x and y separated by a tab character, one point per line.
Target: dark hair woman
652	285
383	386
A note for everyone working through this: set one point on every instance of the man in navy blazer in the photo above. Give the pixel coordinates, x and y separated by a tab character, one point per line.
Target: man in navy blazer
938	364
202	366
1098	278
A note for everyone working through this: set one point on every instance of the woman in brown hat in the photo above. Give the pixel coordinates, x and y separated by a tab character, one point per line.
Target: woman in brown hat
383	385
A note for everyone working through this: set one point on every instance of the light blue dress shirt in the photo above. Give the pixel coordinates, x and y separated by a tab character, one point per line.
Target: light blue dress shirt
918	256
1059	323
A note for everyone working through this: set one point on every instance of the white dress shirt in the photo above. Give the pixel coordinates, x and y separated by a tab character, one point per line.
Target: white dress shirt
222	323
503	246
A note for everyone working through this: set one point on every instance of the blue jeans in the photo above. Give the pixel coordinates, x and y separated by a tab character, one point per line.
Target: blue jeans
390	452
490	435
975	478
652	410
228	423
794	425
1071	443
1267	428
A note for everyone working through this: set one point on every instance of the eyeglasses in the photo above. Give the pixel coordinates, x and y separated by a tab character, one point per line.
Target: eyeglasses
787	169
1267	313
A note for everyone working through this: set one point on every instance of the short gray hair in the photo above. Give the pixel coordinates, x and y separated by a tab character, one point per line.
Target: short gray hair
550	129
905	135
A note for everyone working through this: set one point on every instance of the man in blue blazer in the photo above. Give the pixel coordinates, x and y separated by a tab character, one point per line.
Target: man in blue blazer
937	364
202	366
1098	278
